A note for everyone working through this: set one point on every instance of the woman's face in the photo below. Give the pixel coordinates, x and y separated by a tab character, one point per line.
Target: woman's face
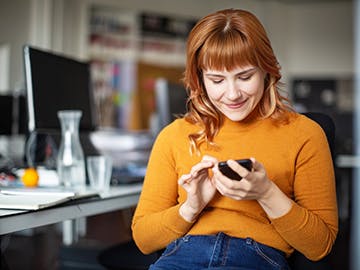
236	92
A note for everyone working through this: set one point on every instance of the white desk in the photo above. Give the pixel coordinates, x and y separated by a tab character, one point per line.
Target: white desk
120	197
347	161
346	164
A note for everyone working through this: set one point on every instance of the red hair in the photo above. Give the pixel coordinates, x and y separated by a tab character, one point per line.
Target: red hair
229	39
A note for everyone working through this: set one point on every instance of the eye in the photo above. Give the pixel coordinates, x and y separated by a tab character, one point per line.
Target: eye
217	81
245	77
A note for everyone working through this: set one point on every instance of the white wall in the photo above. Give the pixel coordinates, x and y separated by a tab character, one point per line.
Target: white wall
24	22
14	30
320	39
313	38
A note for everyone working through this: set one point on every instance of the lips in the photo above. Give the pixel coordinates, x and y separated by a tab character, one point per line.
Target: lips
236	105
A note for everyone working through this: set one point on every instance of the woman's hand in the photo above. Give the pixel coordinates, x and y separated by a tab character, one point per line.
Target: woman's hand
254	185
199	187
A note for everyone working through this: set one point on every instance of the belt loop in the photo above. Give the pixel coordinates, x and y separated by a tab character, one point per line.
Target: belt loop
249	241
186	238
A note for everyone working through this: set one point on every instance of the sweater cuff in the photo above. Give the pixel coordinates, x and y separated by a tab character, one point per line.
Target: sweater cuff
290	221
175	222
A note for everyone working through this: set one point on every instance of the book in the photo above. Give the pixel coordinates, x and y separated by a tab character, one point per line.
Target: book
39	198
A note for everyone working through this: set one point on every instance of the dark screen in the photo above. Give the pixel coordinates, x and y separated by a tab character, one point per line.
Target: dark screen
177	100
13	114
6	112
54	83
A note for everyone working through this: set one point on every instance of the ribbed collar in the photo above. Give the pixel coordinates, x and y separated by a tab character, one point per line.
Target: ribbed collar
244	125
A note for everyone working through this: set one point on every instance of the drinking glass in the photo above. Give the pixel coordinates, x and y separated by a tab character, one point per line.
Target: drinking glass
99	171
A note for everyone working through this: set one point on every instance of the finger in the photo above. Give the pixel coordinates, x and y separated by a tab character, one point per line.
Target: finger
228	191
223	182
209	158
185	179
236	167
257	166
204	164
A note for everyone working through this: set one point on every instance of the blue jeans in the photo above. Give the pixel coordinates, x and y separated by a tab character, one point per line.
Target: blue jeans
220	252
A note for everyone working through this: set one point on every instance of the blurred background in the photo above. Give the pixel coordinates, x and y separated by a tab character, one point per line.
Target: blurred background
130	44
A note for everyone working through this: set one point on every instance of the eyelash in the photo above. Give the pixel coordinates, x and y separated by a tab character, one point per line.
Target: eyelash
241	78
246	78
217	81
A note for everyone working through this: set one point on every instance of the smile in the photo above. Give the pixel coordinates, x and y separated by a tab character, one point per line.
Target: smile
235	105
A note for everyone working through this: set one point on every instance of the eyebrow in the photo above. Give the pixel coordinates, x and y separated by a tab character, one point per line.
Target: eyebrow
237	74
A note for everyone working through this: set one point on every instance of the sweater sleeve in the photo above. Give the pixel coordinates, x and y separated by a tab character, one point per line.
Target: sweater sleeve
312	223
157	221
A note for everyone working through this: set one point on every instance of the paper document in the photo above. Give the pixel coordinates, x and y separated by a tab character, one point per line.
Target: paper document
29	202
38	198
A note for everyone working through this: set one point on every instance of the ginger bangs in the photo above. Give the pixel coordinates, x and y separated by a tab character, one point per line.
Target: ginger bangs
226	50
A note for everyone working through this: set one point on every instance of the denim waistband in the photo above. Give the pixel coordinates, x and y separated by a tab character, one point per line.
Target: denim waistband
220	251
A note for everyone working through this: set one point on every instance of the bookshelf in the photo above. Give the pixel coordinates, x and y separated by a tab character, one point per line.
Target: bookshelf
128	51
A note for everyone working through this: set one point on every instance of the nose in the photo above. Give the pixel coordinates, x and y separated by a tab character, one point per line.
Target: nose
233	92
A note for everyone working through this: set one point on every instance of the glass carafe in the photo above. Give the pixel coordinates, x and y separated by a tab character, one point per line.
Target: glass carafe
70	162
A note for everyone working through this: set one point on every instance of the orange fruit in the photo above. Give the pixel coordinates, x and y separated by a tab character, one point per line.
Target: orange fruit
30	178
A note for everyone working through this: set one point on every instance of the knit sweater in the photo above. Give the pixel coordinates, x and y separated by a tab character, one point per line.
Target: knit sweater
297	159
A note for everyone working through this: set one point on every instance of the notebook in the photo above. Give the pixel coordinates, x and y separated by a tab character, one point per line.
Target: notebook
39	198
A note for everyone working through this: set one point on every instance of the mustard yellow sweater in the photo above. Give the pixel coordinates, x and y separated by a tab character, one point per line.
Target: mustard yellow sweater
296	157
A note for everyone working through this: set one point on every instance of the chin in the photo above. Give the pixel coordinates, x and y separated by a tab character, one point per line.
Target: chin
238	115
236	118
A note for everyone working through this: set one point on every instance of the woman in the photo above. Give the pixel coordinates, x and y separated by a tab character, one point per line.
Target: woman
287	201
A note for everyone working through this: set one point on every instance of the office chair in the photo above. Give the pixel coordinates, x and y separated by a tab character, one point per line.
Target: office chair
297	260
127	256
327	124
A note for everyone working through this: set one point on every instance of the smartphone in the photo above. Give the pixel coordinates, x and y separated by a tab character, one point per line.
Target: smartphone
228	172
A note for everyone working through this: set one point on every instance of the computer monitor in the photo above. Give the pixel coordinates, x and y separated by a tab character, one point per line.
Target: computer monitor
55	82
171	99
6	111
13	114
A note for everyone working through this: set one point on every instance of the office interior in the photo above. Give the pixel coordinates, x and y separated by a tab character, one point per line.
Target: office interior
313	40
